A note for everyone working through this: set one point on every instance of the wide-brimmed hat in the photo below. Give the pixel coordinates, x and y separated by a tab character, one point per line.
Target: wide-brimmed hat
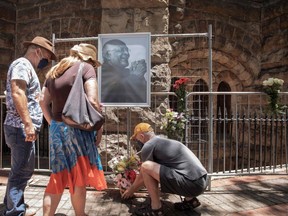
86	52
43	43
141	127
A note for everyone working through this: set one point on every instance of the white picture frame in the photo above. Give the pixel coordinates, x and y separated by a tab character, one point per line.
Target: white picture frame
124	77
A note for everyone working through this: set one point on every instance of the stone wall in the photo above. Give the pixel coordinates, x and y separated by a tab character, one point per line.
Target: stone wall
7	37
274	25
249	37
64	18
236	40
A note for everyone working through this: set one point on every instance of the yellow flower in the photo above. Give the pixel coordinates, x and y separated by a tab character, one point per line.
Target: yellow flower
174	123
121	166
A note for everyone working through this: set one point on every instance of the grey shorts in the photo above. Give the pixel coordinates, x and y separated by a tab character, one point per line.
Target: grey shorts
175	183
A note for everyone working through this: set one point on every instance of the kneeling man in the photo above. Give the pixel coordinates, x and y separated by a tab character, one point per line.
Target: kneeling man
168	163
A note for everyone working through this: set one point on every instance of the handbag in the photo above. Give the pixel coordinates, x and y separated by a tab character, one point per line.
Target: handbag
77	111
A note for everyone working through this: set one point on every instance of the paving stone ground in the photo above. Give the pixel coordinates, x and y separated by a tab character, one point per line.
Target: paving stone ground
233	196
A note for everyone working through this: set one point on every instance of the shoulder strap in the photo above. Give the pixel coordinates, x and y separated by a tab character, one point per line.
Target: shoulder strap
79	73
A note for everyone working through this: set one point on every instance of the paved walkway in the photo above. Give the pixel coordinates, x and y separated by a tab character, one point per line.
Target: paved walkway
235	196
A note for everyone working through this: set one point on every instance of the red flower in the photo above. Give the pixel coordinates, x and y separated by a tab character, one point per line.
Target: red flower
131	175
179	82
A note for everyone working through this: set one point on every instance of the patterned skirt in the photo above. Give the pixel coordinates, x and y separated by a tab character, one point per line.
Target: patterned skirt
74	159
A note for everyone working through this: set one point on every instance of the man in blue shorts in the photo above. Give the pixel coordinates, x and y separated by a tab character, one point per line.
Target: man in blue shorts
171	164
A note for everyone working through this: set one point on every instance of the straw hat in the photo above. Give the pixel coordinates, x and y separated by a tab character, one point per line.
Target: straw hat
86	52
43	43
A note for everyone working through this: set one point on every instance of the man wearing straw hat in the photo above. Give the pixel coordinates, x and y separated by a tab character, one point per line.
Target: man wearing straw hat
24	119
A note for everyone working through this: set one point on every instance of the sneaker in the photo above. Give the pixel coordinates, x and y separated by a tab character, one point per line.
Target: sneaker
187	205
148	211
30	212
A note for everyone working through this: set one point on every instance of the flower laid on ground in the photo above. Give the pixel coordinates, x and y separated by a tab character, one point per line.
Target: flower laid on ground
272	87
174	124
126	170
180	91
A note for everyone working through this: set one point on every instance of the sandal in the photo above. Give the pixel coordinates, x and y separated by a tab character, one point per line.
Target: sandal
187	205
148	211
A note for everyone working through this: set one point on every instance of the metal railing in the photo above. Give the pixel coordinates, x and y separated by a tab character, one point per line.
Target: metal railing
247	139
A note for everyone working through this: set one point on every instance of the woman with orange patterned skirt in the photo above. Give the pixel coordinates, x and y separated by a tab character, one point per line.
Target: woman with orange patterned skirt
74	158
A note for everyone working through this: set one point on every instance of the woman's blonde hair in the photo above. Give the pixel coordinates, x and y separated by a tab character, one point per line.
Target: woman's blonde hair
61	67
82	52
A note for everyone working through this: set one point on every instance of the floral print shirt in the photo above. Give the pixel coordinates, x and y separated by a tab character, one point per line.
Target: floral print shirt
22	69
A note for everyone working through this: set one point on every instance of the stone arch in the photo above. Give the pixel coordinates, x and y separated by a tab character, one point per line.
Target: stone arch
236	48
225	62
223	101
195	63
198	130
200	102
229	77
223	109
232	80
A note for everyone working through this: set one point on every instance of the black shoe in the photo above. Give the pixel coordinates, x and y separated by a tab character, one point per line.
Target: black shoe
148	211
187	205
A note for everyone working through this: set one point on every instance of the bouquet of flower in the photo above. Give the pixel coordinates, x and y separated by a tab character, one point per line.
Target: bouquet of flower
272	87
126	169
180	91
174	124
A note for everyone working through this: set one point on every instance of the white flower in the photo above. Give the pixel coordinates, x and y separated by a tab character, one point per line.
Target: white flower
268	82
279	81
175	114
271	81
272	87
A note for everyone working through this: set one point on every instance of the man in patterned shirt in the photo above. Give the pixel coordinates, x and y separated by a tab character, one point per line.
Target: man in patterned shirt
24	119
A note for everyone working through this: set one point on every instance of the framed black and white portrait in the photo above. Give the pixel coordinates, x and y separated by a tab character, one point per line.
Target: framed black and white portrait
124	76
